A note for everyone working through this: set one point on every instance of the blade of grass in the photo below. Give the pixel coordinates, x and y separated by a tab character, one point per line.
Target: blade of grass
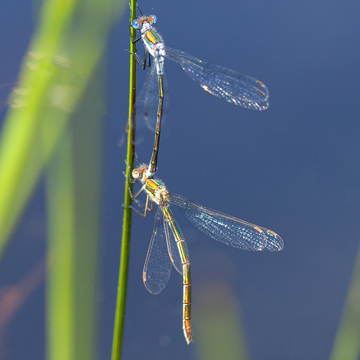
87	129
60	64
21	127
61	219
218	323
83	47
125	244
218	319
73	191
55	75
347	341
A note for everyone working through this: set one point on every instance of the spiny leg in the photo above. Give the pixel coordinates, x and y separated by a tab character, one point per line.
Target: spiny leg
134	181
137	5
134	197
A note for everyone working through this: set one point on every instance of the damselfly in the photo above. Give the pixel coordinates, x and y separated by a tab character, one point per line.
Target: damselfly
168	247
219	81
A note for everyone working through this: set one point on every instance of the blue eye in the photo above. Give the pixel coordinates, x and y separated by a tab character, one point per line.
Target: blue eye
135	24
154	19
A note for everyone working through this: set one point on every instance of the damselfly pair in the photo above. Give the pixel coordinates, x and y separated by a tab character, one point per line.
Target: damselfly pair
167	246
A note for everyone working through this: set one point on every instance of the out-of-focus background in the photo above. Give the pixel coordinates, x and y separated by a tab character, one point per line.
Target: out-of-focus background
292	168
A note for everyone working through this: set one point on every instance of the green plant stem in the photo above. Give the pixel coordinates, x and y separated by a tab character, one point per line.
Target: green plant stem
61	218
347	340
20	131
125	244
56	71
73	184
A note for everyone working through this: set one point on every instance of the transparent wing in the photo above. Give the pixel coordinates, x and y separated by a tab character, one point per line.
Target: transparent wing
157	267
147	103
274	241
228	229
173	249
222	82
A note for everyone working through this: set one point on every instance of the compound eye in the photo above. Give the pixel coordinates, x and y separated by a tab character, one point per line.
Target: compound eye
135	24
152	19
135	173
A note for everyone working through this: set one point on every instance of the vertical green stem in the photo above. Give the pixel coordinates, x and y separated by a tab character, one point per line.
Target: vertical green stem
347	341
60	294
20	131
73	184
125	245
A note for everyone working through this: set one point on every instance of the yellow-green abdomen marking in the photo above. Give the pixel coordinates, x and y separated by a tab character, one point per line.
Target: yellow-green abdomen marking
185	261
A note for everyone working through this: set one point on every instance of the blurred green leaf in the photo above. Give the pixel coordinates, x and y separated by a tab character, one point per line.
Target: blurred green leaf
66	48
45	127
347	341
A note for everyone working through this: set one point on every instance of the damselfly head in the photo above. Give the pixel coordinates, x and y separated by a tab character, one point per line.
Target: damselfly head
139	172
137	24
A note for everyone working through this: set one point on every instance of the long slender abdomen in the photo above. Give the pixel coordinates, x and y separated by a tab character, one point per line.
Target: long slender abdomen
153	160
185	262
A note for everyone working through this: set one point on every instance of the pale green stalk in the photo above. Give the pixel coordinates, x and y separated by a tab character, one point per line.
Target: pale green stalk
60	62
347	341
218	320
19	135
73	197
67	48
61	262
